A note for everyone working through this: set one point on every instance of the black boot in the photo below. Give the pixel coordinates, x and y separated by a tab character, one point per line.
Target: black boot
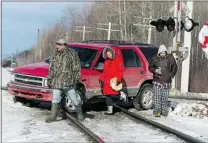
54	113
61	114
79	112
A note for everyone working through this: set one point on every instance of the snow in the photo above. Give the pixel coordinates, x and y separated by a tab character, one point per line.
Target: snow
5	76
120	128
23	124
26	124
193	126
196	110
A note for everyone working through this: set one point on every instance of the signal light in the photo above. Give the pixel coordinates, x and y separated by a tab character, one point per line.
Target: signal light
189	25
170	23
159	24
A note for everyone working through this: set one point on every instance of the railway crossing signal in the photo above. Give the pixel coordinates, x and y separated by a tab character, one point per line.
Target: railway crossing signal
170	24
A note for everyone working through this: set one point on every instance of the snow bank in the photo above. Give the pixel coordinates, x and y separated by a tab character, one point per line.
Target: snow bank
23	124
197	110
5	76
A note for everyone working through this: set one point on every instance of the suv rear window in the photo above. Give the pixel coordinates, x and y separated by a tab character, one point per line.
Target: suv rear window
86	55
149	52
130	58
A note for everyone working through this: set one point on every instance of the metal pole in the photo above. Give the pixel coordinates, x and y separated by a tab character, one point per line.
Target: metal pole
175	37
179	21
186	62
125	20
176	27
67	35
109	30
149	32
83	34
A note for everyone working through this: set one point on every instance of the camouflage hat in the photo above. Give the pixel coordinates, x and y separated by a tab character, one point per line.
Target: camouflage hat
61	41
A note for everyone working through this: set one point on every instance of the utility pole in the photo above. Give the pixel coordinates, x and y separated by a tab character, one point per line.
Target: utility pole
39	43
120	17
109	28
67	36
149	32
83	31
125	36
186	62
148	26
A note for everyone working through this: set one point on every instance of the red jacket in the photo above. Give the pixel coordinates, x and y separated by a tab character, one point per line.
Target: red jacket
112	68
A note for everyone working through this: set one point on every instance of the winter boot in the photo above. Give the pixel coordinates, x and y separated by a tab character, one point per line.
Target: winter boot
54	113
157	114
61	114
79	112
110	111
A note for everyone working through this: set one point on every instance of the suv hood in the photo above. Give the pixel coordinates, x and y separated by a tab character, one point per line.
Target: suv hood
38	69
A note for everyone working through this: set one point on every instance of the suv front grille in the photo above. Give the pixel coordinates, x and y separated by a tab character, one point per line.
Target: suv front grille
28	79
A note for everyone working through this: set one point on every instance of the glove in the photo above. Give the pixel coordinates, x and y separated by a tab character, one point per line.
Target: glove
158	71
118	82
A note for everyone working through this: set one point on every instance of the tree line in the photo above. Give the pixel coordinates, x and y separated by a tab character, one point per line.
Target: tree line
124	15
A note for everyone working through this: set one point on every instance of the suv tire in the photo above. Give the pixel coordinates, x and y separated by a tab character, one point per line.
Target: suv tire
71	108
144	99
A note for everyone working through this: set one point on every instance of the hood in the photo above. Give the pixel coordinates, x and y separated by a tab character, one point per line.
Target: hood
162	48
38	69
113	50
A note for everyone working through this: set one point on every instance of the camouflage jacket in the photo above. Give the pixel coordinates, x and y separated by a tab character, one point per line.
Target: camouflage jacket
65	69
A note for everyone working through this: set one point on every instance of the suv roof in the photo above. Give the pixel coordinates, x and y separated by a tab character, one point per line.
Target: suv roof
116	43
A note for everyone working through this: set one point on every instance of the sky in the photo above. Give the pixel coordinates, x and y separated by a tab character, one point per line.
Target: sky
21	21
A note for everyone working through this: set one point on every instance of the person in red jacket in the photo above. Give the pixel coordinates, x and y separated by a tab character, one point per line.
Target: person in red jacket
113	69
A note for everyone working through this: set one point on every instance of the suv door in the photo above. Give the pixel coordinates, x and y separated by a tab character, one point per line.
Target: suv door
134	70
94	75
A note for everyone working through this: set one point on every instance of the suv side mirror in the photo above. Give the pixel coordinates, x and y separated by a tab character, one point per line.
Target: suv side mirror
47	60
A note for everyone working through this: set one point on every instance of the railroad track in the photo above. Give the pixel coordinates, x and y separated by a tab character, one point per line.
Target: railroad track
165	128
91	135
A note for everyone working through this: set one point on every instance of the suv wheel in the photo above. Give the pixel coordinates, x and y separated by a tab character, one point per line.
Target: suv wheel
19	99
69	104
144	99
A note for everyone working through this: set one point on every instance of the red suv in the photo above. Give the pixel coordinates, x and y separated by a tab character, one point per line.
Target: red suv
30	82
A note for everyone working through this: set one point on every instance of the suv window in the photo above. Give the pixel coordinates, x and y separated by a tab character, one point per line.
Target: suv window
149	52
86	55
131	59
100	62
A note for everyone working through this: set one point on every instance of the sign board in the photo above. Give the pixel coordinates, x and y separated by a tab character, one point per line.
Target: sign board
171	9
185	8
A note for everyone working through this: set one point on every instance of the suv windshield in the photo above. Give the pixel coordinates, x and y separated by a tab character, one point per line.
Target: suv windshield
149	52
86	55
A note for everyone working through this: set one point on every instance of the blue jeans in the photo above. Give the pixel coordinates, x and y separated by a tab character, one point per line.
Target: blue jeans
71	93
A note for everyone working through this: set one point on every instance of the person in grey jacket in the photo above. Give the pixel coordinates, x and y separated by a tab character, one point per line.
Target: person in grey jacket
164	68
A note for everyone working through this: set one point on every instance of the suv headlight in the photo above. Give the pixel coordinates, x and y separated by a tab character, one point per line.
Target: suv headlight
45	82
12	77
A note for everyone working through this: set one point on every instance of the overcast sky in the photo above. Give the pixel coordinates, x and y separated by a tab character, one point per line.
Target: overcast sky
21	21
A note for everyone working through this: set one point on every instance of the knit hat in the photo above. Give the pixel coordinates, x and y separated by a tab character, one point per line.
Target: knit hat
162	48
61	41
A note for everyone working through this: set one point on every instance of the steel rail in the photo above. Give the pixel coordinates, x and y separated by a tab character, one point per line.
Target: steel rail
88	132
165	128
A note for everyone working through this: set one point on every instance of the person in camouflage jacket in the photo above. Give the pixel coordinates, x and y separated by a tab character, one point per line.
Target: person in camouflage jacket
64	73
